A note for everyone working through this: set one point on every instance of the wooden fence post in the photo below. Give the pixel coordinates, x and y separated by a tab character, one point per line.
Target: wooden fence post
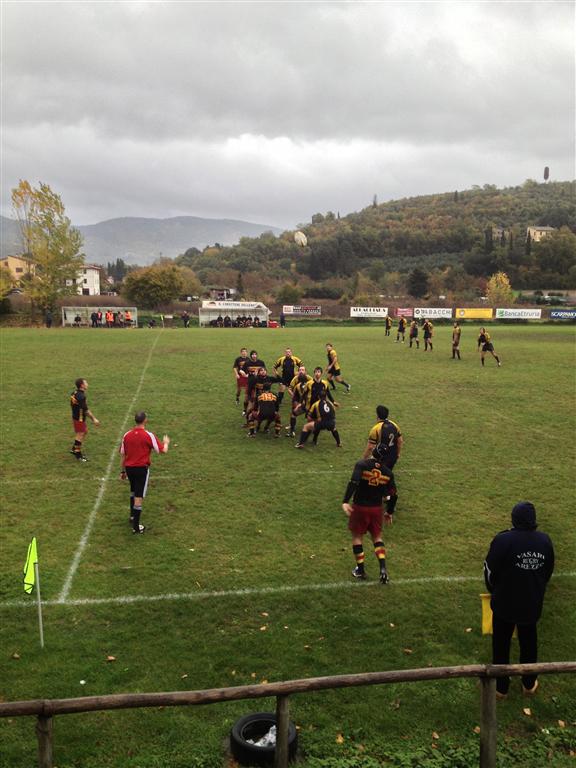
282	724
488	724
44	735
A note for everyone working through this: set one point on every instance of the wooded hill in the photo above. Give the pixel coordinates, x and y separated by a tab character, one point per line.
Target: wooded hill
472	233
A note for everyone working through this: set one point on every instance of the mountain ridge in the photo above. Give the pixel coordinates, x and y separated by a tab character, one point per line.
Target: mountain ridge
142	240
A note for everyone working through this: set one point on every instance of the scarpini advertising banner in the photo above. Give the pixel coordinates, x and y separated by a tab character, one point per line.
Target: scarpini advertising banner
368	311
474	313
518	314
434	313
404	312
291	309
563	314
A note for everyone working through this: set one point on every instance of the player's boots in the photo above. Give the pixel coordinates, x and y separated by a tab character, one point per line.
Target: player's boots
359	573
384	578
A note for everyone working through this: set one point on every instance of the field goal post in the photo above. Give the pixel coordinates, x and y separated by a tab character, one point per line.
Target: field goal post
70	316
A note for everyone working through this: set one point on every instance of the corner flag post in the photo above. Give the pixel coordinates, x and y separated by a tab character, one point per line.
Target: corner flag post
32	578
40	622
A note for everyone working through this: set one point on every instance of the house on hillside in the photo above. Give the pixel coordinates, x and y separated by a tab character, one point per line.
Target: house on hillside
221	294
19	266
537	233
88	280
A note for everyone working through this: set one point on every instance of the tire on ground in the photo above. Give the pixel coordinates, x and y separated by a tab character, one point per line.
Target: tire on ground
254	727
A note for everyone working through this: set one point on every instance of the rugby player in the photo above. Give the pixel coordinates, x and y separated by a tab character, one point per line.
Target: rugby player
401	329
298	391
322	415
388	325
266	410
485	345
333	371
285	368
456	333
80	412
428	329
372	482
413	334
240	374
385	435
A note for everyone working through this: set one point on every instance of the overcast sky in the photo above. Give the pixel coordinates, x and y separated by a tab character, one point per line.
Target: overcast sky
272	111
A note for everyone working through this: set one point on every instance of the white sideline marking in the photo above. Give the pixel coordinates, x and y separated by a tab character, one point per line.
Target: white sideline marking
103	483
256	591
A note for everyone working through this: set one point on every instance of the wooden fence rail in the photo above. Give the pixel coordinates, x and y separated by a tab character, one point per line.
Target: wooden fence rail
46	709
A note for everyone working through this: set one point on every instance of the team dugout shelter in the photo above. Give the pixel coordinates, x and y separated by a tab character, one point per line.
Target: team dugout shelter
81	317
211	311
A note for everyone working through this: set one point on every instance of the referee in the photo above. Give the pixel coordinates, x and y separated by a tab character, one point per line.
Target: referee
135	449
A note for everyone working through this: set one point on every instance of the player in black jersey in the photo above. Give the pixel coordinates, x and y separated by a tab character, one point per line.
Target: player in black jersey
314	389
401	329
413	334
286	368
387	436
485	345
266	410
321	415
241	373
371	483
388	325
333	371
428	329
80	414
298	391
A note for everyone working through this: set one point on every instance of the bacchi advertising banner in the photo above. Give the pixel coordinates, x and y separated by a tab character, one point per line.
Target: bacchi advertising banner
368	311
434	313
518	314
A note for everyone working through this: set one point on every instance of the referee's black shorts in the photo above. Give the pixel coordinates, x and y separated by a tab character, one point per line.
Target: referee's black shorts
138	477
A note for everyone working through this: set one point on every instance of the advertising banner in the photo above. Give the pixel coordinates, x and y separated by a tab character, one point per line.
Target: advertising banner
434	313
245	305
563	314
291	309
518	314
474	313
403	312
368	311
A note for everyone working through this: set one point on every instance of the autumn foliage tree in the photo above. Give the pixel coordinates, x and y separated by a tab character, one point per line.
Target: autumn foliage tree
49	241
498	290
155	286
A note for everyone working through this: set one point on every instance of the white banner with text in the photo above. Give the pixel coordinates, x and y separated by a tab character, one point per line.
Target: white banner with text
434	313
518	314
368	311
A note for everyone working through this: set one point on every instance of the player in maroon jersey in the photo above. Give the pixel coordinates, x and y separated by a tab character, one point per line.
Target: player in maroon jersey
137	444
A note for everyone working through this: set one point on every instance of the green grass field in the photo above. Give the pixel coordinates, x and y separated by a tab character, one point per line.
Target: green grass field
235	524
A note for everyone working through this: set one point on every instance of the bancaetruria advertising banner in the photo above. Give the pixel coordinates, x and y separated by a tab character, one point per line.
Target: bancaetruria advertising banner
474	313
368	311
563	314
434	313
518	314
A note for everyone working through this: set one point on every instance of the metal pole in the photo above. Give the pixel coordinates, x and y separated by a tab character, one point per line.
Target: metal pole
488	723
44	735
282	723
40	622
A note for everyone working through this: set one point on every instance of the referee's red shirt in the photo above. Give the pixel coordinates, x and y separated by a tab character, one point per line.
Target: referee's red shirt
137	445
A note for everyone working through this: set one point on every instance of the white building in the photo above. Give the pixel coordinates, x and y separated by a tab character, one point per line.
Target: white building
88	281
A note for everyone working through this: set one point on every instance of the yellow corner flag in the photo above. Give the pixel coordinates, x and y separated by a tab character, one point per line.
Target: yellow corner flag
29	570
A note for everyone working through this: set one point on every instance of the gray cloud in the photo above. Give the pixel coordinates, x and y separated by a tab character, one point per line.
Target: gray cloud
271	111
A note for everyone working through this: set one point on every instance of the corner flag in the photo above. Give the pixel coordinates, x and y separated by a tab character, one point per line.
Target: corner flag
29	569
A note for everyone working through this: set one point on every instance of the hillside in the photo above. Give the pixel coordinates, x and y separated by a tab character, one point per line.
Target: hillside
477	231
141	240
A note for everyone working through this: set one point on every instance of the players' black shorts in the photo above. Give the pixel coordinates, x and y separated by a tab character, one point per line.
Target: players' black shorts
328	425
488	347
335	372
138	477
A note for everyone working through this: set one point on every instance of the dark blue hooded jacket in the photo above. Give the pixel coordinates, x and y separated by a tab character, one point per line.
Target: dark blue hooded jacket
517	568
